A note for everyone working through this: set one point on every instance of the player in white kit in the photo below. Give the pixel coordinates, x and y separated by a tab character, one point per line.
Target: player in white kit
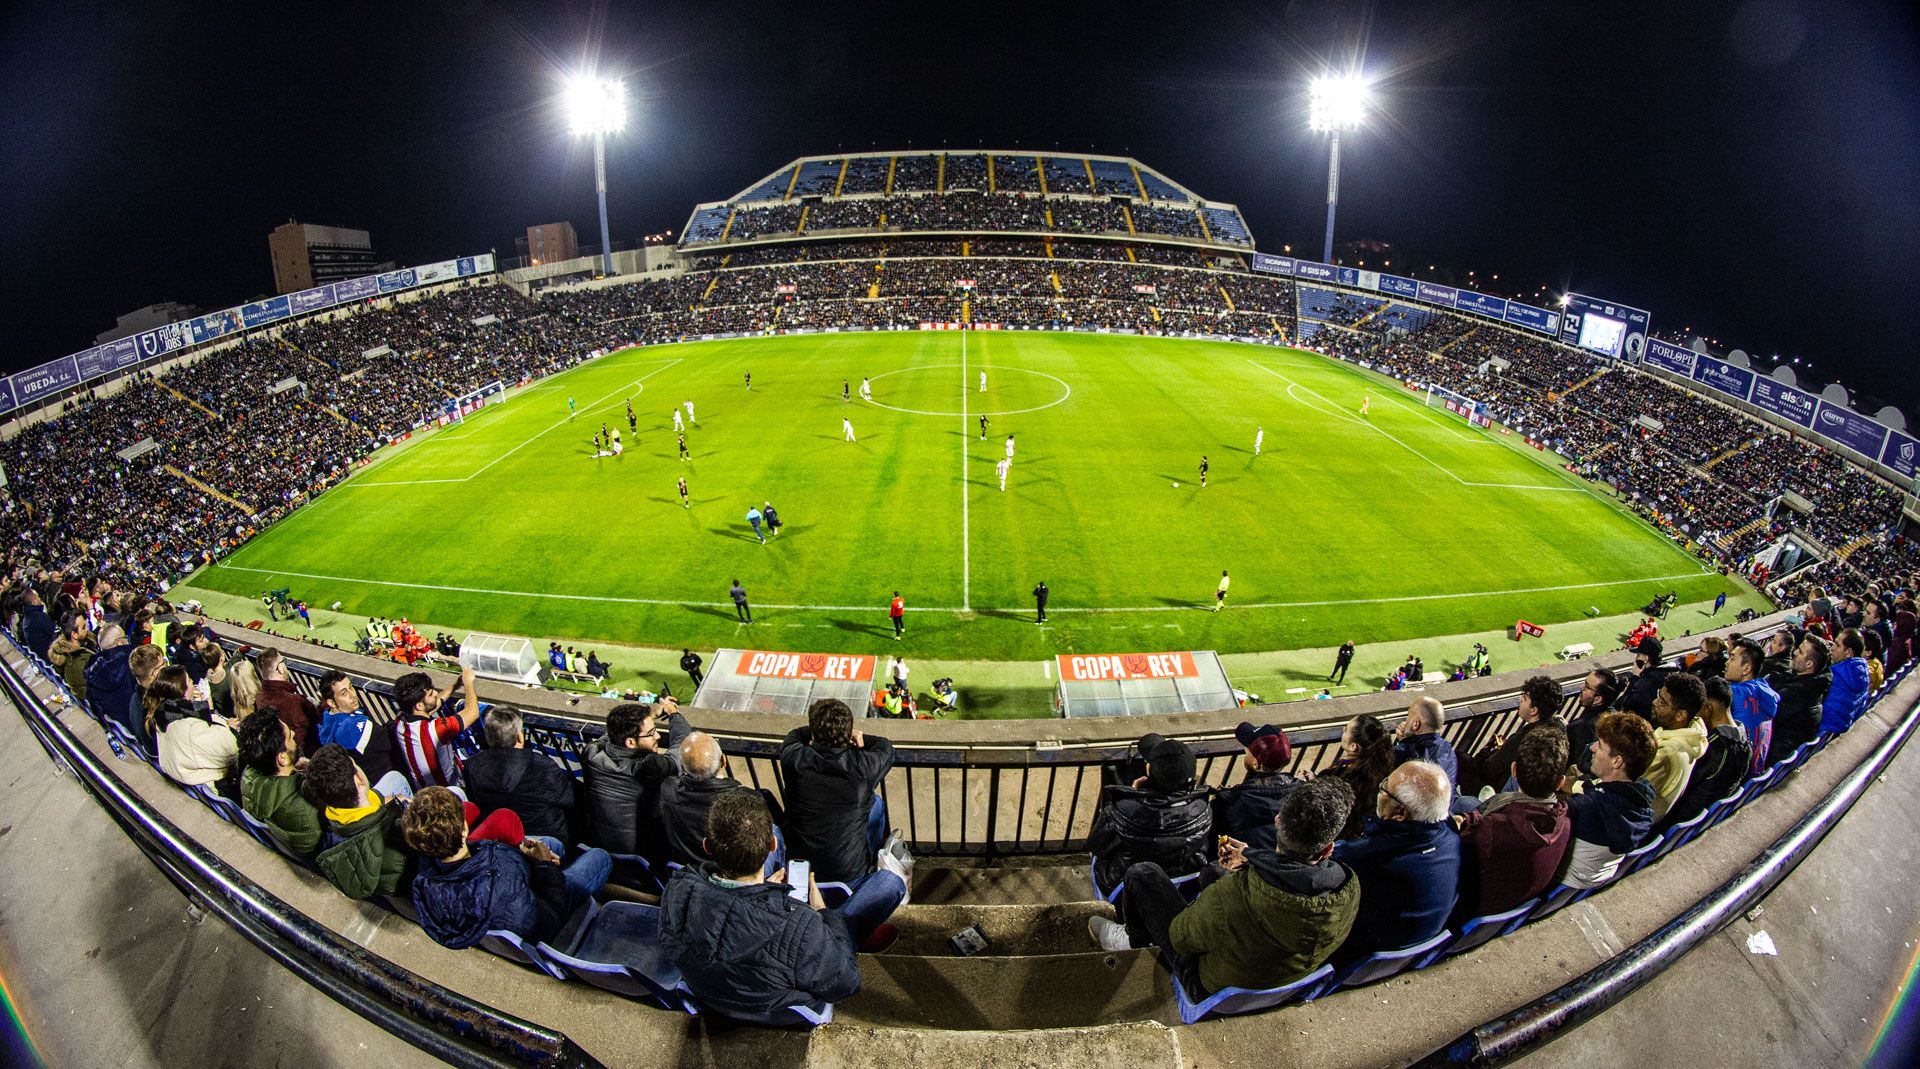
1259	435
847	426
1002	469
1009	447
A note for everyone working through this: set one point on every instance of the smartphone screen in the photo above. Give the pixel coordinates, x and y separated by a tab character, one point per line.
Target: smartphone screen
797	873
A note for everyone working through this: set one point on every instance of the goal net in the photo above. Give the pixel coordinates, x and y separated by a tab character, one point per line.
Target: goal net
455	409
1459	404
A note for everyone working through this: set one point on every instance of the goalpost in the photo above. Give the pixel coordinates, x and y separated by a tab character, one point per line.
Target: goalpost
1459	404
456	409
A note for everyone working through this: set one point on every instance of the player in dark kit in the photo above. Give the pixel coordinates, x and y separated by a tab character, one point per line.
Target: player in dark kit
1203	471
983	426
683	447
633	425
846	390
684	503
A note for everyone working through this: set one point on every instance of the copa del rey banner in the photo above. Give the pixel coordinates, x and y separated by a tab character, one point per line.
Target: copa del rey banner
1096	667
806	665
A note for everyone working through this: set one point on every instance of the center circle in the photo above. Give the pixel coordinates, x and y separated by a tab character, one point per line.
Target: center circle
971	385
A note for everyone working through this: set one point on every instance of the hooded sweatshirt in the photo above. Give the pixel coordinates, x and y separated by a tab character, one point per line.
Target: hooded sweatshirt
1270	922
1675	751
494	888
1609	820
1511	848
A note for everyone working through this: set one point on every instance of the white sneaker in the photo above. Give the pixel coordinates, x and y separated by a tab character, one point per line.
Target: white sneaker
1109	935
899	865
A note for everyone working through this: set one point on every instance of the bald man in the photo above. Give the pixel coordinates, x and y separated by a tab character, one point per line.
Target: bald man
685	798
1408	862
1418	737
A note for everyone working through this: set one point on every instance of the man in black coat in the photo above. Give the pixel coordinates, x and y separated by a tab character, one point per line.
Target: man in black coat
686	799
690	664
624	771
830	772
1246	811
1161	817
1803	691
507	775
1340	662
1640	693
1040	602
36	627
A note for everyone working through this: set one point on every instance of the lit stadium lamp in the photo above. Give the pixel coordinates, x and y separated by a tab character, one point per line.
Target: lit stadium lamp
598	107
1335	104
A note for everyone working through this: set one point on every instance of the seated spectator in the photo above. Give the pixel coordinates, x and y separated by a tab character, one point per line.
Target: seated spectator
1754	703
363	855
1679	737
1246	810
422	740
623	771
1512	847
835	820
243	689
193	750
110	689
279	694
686	798
1847	698
1160	817
1779	649
507	775
1539	707
467	888
342	721
270	784
1613	817
1803	688
1407	860
1712	658
1722	767
36	627
1419	738
1273	917
1366	757
742	944
1597	694
144	663
1638	698
71	652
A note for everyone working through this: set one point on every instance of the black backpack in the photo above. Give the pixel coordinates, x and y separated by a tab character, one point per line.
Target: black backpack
1716	775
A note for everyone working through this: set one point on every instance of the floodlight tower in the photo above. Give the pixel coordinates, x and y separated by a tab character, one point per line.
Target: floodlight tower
1335	104
598	106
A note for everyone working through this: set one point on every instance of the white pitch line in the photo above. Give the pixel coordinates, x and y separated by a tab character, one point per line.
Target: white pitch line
1369	424
966	540
951	608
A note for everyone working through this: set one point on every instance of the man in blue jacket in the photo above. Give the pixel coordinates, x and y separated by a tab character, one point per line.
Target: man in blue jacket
744	944
466	889
109	681
36	627
1408	862
1419	738
1613	816
1755	702
1847	698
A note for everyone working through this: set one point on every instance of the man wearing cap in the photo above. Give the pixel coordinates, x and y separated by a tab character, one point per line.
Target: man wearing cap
1639	695
1273	917
1160	817
1246	811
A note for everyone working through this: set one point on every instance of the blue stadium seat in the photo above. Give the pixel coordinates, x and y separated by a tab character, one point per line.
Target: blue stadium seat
1682	833
1640	856
1188	885
510	946
1556	899
1375	967
808	1016
1232	1001
617	948
1480	930
1114	177
1159	188
817	177
1226	225
773	188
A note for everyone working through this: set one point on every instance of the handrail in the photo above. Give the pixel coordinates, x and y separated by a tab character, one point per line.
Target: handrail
441	1022
1546	1018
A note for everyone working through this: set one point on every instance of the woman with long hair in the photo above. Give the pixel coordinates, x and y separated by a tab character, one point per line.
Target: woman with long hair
192	750
1365	761
243	688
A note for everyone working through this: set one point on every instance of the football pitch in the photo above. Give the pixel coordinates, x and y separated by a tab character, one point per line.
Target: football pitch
1402	523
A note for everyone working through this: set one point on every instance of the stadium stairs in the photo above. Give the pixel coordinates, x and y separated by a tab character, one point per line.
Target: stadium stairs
207	488
1041	995
1583	384
1734	452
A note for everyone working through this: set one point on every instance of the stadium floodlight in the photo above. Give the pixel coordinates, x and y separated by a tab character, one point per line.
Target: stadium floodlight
598	107
1335	103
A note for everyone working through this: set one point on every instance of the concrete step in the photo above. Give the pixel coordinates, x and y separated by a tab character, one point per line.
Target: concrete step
1045	880
1076	990
1011	930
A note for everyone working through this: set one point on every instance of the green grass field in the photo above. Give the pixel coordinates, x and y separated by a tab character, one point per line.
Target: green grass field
1404	524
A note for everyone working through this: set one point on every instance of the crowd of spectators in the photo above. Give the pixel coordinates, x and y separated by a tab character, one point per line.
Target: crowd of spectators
966	207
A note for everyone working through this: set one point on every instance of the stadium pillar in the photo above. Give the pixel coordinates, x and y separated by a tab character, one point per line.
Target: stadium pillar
600	186
1333	197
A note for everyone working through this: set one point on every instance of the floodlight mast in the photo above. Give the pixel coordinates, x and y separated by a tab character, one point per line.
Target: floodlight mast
1334	104
598	107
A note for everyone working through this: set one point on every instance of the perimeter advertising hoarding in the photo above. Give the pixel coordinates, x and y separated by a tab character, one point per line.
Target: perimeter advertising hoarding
839	666
1094	668
1316	271
1851	429
1902	454
6	402
150	343
262	312
45	379
1358	279
1399	287
309	300
1481	304
1445	296
1273	265
1794	406
1722	376
1526	315
1669	357
1626	329
354	289
394	281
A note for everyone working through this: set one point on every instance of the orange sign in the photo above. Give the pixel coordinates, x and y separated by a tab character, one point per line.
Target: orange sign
1094	667
805	665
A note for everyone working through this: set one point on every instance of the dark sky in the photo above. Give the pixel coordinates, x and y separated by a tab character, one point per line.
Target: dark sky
1749	169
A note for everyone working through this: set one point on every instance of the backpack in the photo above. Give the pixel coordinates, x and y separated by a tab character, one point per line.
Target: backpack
1717	774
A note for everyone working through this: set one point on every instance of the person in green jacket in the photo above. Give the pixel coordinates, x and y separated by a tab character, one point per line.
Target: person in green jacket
270	784
1266	917
368	856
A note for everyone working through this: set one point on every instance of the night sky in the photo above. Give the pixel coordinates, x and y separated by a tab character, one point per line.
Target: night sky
1749	170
